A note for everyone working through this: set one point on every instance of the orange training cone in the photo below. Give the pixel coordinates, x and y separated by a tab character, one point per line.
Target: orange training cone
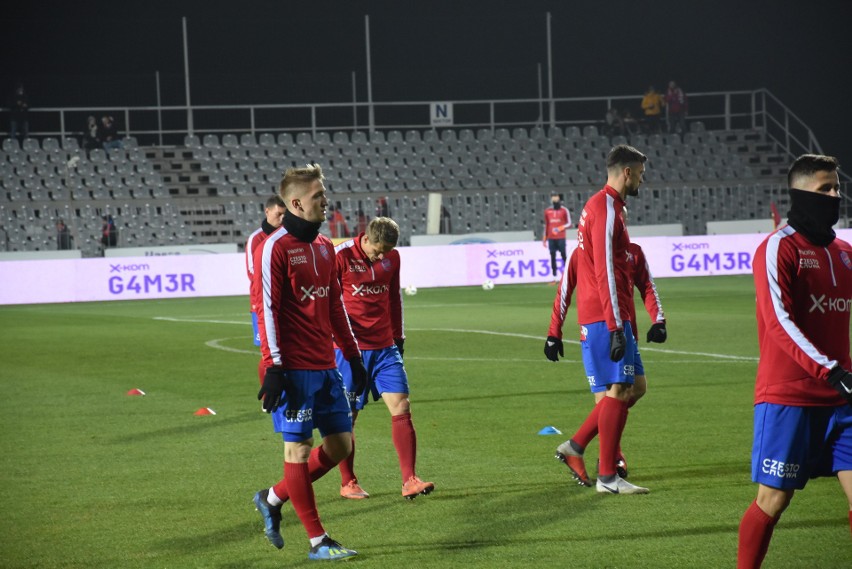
136	392
205	411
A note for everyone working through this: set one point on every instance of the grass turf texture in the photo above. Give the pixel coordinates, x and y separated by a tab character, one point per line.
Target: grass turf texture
91	477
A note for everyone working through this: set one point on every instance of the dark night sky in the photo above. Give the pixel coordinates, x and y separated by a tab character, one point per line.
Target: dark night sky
106	53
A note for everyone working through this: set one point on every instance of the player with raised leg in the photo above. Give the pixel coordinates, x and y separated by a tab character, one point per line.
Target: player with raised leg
640	278
301	310
604	296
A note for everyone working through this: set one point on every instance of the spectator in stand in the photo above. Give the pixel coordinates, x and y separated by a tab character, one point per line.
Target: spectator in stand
108	133
19	107
109	232
630	124
63	236
614	126
363	221
336	222
652	106
91	137
677	107
382	208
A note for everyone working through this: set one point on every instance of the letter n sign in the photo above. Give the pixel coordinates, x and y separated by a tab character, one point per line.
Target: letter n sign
441	114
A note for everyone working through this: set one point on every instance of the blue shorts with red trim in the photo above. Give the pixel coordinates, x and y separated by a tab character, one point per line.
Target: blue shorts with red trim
600	370
794	444
314	399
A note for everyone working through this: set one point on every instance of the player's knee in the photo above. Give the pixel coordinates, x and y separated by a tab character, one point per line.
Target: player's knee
399	406
772	501
338	447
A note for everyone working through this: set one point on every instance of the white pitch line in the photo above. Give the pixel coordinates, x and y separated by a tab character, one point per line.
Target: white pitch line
486	332
202	321
530	337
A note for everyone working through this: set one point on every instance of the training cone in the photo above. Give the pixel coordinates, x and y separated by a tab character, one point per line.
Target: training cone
205	411
136	392
550	431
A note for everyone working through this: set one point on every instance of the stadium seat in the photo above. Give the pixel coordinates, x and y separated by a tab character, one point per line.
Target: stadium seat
191	141
210	141
448	135
247	140
230	141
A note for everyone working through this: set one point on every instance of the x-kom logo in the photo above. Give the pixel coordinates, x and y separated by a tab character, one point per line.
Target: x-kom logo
830	305
312	292
365	289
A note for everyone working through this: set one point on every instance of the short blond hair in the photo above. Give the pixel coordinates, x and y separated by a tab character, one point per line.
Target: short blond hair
296	177
383	231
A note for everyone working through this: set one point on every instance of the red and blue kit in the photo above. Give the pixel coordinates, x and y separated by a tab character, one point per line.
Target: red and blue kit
804	296
603	270
254	241
555	222
301	303
371	294
640	277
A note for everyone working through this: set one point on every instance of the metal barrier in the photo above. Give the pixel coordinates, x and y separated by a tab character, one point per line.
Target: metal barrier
168	125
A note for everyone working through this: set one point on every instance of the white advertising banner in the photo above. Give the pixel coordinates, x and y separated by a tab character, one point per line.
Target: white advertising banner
128	278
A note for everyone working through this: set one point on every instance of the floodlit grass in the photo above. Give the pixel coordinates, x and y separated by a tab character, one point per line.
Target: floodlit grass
92	477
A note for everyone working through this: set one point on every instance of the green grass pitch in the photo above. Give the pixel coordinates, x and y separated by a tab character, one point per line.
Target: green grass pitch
94	478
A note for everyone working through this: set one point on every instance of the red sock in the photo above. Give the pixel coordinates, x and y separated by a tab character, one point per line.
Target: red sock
318	465
755	532
347	465
405	442
302	496
589	429
618	454
611	421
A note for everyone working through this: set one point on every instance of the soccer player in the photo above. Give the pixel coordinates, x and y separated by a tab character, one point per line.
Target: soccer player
640	277
604	297
274	215
803	390
301	309
556	220
368	268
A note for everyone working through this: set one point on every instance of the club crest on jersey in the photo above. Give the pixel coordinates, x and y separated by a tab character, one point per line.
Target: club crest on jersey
386	264
324	252
847	262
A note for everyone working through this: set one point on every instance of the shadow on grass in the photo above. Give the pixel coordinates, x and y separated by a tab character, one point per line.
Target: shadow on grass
186	429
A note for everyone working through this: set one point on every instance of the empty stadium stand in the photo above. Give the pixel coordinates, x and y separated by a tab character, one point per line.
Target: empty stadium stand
212	189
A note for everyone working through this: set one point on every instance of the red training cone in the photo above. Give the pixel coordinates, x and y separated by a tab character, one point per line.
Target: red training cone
205	411
136	392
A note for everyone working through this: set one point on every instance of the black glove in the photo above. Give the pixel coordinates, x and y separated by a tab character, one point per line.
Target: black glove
617	343
841	380
657	333
359	375
399	343
274	387
553	346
